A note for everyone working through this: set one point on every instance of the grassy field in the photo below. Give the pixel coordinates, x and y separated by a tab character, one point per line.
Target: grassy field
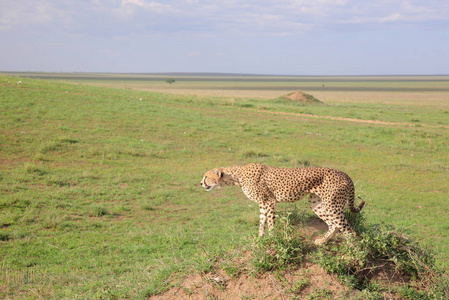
100	186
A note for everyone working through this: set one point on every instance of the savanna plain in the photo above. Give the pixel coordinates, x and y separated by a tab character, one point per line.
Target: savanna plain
99	174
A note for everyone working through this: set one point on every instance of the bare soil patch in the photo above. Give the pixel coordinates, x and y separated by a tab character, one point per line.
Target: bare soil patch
304	280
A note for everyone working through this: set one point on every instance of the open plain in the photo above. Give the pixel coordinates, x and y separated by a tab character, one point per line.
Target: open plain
99	173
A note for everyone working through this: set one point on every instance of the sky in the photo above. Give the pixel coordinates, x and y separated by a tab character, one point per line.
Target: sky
275	37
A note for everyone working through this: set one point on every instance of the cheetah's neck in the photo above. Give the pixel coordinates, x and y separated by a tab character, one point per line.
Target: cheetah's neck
233	175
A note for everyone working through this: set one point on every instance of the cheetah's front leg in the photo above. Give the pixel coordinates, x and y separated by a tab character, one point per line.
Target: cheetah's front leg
262	220
267	213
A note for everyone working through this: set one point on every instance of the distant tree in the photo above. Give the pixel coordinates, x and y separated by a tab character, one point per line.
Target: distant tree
170	81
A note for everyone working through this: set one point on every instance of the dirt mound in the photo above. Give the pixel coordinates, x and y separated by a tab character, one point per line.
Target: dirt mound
303	281
301	97
287	265
306	280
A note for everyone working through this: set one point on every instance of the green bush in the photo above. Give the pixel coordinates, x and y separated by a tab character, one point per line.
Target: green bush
280	247
99	211
383	246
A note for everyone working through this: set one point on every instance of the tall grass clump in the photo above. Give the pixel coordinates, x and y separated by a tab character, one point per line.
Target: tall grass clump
357	261
281	247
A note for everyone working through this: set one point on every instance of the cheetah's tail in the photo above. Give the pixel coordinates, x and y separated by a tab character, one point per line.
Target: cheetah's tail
357	209
351	201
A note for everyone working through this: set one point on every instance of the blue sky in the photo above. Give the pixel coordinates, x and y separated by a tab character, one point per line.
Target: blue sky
280	37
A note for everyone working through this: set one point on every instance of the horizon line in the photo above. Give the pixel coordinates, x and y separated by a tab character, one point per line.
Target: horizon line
224	74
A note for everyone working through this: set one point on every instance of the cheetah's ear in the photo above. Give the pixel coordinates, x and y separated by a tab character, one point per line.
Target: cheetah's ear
219	173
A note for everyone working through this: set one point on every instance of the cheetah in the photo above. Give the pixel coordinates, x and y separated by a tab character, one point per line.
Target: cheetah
329	192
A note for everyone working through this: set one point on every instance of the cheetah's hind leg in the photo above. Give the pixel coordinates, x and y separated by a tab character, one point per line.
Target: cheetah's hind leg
320	209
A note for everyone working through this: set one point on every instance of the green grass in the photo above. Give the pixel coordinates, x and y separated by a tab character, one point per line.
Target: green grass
100	187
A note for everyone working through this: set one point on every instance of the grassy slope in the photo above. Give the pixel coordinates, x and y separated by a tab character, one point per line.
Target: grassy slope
100	193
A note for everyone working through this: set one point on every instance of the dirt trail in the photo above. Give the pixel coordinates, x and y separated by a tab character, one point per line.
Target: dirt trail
376	122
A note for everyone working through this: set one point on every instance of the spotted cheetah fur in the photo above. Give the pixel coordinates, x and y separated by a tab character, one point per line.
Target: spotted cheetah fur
329	192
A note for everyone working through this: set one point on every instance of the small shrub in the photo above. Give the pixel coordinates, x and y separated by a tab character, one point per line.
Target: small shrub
4	237
406	292
294	216
231	269
148	207
49	146
354	258
306	163
40	157
390	244
369	295
345	259
279	248
274	252
320	294
69	140
254	154
245	105
299	285
34	169
99	211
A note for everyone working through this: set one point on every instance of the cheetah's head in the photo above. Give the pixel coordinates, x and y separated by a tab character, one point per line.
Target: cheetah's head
212	178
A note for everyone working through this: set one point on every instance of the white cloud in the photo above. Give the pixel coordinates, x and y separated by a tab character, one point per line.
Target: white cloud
212	17
14	13
399	11
391	18
149	6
